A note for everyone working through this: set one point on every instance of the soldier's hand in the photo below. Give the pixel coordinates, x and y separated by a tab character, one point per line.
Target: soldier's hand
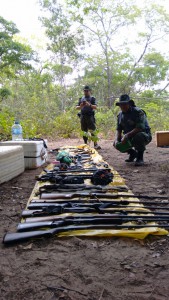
81	105
114	143
124	139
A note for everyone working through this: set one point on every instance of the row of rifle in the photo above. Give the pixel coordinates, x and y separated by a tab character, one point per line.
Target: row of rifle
96	206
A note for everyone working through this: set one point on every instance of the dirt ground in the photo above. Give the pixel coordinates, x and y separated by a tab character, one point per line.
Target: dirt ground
87	268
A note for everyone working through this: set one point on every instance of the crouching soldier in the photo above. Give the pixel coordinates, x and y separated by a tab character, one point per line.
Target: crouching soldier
133	131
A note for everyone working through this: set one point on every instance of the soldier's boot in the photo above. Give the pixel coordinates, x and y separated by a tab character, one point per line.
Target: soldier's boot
139	160
132	155
85	139
96	146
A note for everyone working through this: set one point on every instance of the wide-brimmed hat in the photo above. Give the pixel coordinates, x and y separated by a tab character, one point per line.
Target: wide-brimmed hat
124	99
87	88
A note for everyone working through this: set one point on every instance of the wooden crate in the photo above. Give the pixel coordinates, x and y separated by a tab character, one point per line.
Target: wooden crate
162	138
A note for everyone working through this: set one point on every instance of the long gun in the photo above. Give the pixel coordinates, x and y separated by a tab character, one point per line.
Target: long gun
102	201
61	210
56	211
82	170
76	187
96	195
11	238
113	219
106	204
116	211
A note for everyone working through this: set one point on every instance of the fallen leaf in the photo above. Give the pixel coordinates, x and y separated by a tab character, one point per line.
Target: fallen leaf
16	187
127	267
161	192
94	245
156	255
132	275
27	247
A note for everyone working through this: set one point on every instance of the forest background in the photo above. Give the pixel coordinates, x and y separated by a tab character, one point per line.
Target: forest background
114	46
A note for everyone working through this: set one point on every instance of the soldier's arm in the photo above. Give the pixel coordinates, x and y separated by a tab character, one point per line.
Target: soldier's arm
80	104
119	129
118	137
130	134
93	104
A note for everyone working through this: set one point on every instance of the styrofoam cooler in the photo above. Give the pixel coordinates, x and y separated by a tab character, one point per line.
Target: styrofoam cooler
11	162
35	154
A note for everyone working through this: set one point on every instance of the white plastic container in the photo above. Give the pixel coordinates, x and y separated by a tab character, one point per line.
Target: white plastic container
35	154
11	162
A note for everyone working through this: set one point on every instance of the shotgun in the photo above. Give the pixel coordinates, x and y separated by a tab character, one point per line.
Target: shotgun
118	220
11	238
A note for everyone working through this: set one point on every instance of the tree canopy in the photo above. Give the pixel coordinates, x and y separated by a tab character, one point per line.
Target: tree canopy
114	46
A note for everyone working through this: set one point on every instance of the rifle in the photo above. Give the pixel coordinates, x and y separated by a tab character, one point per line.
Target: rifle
104	201
76	187
82	170
56	217
52	210
96	195
11	238
56	211
118	219
37	205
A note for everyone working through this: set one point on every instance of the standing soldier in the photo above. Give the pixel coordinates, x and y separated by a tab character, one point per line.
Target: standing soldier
87	105
132	122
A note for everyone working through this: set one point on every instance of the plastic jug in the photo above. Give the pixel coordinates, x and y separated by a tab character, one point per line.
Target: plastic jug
17	131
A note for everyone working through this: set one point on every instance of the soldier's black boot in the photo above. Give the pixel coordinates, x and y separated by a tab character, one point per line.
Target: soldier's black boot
139	160
96	146
132	155
85	139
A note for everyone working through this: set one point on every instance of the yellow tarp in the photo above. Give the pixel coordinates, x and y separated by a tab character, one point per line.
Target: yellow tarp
140	233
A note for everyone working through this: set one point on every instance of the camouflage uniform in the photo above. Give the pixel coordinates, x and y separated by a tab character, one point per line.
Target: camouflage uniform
135	118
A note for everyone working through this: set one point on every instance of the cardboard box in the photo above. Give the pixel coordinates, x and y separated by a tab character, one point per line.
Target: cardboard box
162	138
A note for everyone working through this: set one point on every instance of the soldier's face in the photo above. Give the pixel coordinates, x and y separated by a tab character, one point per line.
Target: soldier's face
124	107
87	93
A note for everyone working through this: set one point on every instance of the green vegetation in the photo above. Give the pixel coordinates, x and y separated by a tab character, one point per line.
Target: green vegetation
84	35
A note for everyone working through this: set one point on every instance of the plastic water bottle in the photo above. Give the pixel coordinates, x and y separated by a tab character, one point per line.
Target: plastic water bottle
16	132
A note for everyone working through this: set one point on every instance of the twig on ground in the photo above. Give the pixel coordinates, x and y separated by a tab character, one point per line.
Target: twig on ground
62	288
101	295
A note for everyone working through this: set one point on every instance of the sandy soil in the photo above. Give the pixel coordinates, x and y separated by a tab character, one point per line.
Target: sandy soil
87	268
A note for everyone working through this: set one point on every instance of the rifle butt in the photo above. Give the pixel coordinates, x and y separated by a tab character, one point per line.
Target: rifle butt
12	238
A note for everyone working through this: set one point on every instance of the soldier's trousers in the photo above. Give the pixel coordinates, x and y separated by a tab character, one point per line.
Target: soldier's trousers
140	140
87	123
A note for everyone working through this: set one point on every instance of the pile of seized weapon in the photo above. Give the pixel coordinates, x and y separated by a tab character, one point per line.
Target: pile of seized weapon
97	205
